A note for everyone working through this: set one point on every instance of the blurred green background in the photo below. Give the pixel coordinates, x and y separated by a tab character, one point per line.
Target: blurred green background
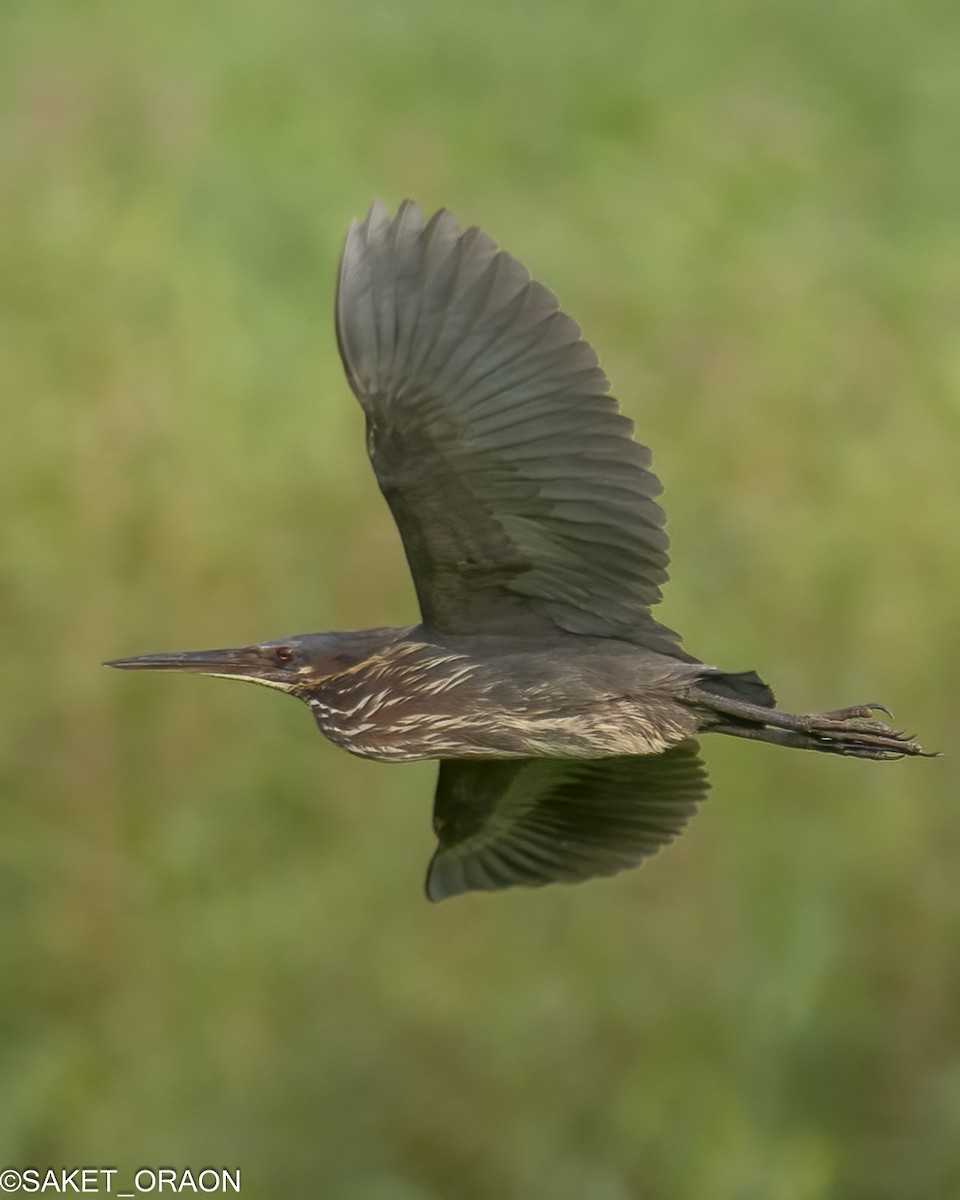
215	947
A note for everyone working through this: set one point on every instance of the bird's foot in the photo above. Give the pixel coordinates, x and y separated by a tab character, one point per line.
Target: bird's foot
853	731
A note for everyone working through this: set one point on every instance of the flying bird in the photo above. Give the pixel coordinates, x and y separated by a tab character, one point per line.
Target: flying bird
563	714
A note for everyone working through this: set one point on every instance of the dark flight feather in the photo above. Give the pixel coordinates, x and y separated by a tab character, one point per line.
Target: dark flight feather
536	821
521	497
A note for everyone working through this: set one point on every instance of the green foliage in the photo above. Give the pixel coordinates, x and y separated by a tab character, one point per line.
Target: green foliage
215	945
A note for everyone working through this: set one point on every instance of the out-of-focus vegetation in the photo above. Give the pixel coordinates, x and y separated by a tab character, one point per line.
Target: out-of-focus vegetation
214	947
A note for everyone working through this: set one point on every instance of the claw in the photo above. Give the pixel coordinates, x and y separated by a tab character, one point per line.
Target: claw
855	712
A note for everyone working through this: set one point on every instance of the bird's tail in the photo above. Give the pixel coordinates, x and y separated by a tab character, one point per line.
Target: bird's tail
850	731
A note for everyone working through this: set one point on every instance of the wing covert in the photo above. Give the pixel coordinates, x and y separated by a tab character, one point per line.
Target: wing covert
519	492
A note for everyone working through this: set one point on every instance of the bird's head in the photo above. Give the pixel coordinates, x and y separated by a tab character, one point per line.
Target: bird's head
297	665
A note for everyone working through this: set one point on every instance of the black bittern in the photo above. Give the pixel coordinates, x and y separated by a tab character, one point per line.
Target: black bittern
562	713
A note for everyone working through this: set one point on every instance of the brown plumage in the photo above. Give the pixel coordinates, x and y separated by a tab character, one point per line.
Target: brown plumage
562	712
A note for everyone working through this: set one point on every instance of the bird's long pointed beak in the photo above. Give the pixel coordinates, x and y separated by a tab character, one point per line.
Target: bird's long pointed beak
205	662
245	662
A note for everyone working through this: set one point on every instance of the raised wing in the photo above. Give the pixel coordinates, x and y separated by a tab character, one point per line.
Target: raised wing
535	821
518	490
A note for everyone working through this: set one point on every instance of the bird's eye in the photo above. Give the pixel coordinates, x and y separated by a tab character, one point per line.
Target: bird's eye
283	655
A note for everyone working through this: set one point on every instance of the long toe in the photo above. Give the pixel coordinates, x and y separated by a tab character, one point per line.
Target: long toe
856	710
853	733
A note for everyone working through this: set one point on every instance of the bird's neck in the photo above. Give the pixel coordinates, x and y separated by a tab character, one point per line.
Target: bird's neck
366	707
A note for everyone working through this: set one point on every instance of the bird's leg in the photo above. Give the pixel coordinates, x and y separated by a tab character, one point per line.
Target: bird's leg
849	731
775	737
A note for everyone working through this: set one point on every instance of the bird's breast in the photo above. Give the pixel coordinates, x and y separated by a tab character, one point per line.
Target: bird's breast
425	706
